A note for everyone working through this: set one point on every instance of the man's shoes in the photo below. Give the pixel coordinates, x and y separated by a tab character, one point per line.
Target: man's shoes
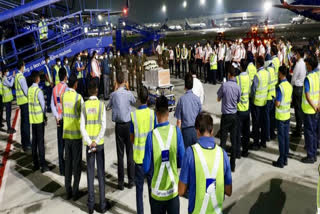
1	125
35	168
308	160
130	185
45	169
69	196
238	156
90	211
120	187
264	145
285	162
78	195
255	147
233	167
245	154
11	131
273	137
296	135
277	164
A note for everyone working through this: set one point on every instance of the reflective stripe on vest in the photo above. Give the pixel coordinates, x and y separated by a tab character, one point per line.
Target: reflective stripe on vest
57	80
213	65
57	97
49	75
272	83
211	189
156	190
93	115
71	106
252	71
43	29
79	73
283	111
314	84
36	115
276	63
1	87
261	95
243	80
143	122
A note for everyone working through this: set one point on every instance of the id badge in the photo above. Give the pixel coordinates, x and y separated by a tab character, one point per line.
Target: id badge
165	155
58	99
210	185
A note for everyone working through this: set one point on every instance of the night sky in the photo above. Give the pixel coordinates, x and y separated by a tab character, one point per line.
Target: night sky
150	10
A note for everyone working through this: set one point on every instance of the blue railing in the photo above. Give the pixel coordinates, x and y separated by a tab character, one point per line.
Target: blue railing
61	33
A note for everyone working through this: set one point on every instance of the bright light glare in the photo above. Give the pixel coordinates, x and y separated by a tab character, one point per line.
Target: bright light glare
123	23
184	4
202	2
100	17
164	8
267	6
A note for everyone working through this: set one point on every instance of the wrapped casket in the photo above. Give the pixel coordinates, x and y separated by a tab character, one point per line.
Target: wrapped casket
158	77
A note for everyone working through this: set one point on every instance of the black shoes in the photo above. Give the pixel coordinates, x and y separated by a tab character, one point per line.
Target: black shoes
255	147
120	187
79	195
35	168
296	135
11	131
233	167
308	160
245	154
131	185
45	169
69	196
277	164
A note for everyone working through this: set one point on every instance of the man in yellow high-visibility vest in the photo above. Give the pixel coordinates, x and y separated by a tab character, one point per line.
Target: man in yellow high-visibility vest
282	114
43	29
310	101
143	120
7	97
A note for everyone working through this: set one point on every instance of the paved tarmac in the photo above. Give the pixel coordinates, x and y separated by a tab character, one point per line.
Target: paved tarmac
258	187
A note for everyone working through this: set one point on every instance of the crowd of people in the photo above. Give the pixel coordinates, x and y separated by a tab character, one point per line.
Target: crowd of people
254	88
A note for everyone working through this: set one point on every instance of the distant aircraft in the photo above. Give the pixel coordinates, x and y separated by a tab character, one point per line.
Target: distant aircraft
195	26
307	8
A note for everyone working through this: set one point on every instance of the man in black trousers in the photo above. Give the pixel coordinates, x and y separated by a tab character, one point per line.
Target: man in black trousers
121	101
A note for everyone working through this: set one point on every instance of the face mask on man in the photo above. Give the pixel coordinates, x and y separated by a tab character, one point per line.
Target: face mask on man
142	51
58	63
110	55
130	52
79	58
97	57
47	61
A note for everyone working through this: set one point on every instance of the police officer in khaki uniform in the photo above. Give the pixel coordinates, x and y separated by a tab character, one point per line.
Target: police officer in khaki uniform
117	63
141	59
131	68
165	57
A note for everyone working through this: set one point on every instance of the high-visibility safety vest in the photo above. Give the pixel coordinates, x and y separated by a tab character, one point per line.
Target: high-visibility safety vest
43	30
276	63
58	91
164	184
57	68
36	114
213	64
21	97
313	93
49	75
93	114
243	80
209	179
184	52
71	108
143	122
283	111
1	87
79	73
252	71
178	53
260	98
273	80
6	93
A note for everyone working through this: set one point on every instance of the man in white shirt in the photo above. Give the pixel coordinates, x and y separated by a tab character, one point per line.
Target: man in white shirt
237	54
261	49
221	54
198	59
297	80
198	87
227	62
206	61
243	51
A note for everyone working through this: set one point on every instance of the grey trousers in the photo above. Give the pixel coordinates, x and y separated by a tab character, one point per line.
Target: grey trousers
106	85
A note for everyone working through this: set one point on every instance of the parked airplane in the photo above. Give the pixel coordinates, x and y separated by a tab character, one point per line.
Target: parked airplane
195	26
307	8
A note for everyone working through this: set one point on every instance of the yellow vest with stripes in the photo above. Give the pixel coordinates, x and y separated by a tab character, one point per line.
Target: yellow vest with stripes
273	80
6	93
21	98
260	98
143	122
36	115
243	80
93	110
314	84
283	111
71	105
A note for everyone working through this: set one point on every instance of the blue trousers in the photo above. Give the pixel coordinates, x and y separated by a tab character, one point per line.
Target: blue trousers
189	135
259	127
61	148
283	140
25	127
139	181
270	119
243	131
48	91
8	114
310	134
171	206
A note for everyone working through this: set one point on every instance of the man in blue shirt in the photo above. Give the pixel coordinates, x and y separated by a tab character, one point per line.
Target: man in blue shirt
230	94
188	175
120	102
66	66
169	204
105	64
49	84
188	107
79	67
